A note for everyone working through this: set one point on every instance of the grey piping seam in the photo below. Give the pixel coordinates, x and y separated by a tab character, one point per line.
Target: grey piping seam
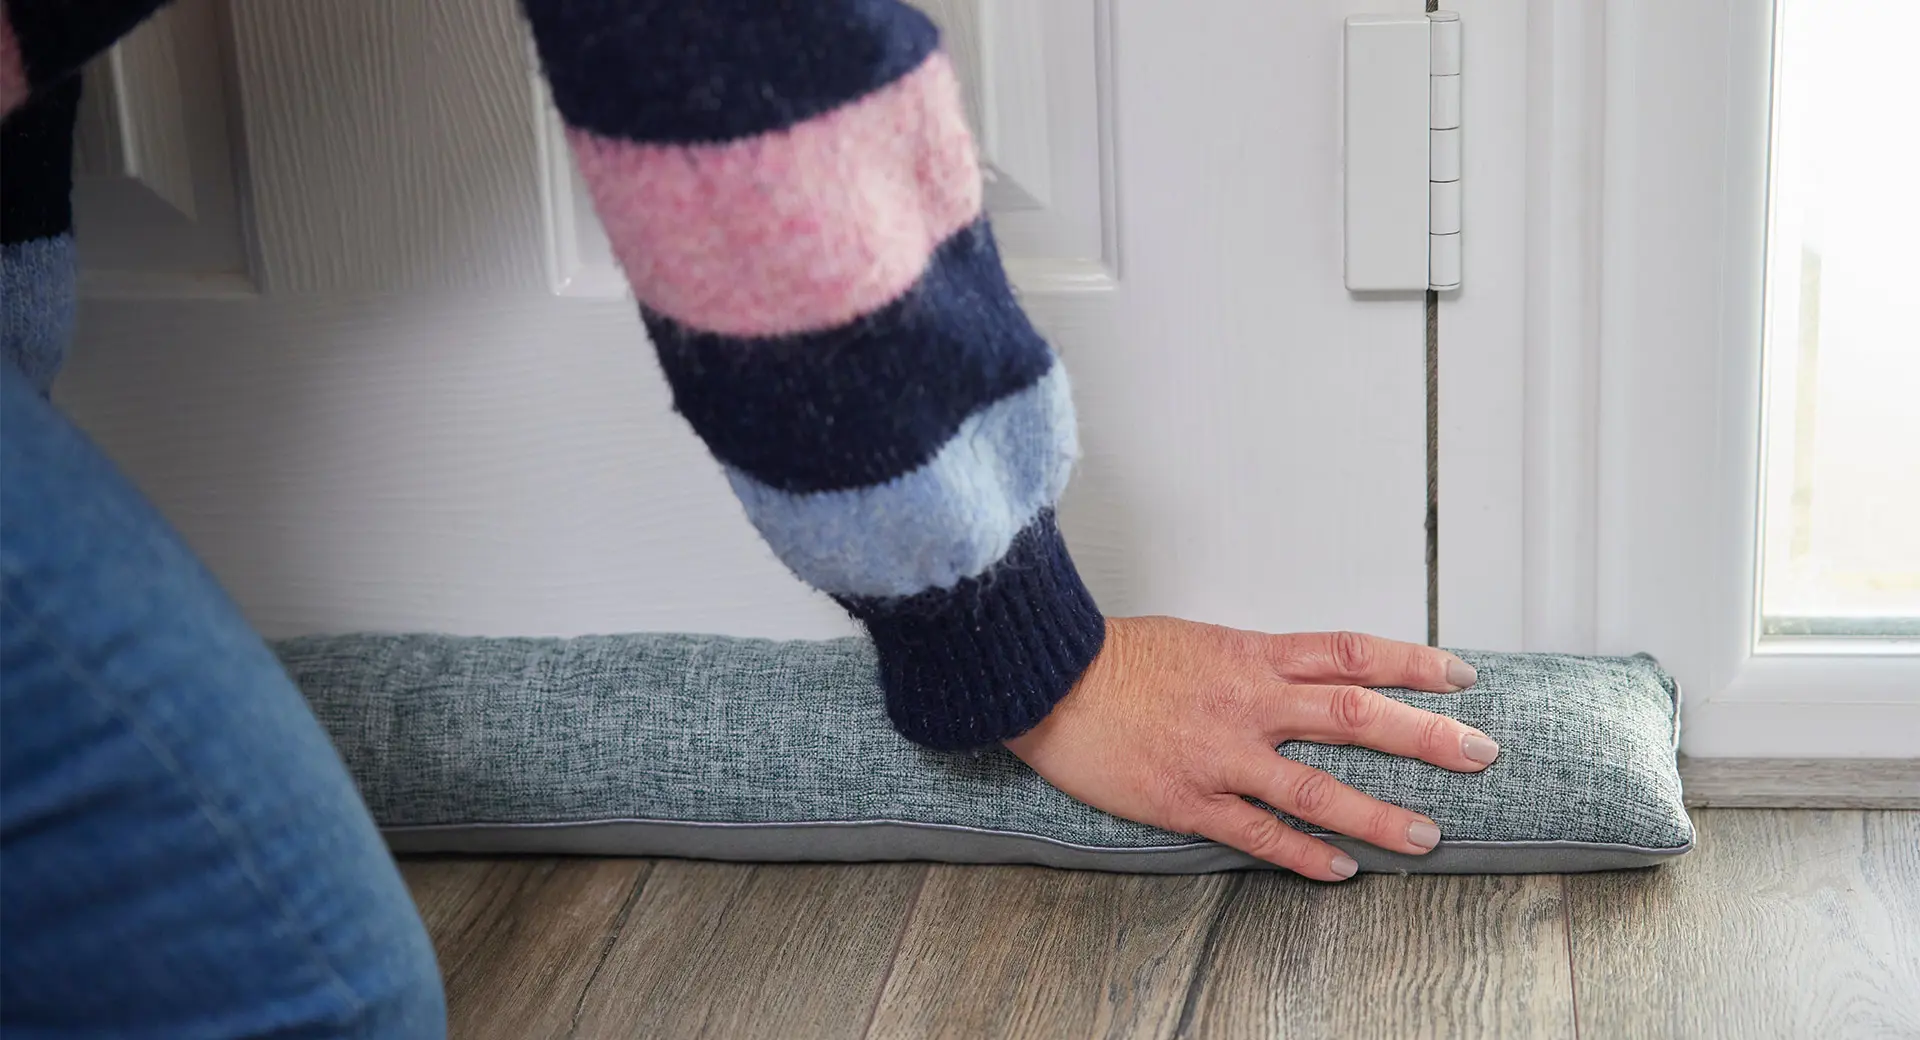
1465	843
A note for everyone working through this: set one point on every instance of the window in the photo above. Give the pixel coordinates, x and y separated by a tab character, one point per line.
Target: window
1840	553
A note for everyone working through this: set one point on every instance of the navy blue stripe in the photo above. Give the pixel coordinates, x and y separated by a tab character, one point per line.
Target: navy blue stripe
685	71
36	165
58	36
866	402
986	660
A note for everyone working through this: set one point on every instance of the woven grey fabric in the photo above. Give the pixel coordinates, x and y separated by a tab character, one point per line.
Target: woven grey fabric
453	739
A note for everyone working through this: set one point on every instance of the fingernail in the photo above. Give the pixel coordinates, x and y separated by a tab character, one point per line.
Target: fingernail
1423	833
1461	674
1479	747
1344	867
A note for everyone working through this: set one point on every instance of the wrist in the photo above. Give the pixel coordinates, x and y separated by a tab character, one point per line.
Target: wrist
987	660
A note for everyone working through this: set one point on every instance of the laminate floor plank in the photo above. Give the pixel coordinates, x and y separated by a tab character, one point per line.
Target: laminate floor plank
1030	952
743	951
520	939
1780	923
1387	955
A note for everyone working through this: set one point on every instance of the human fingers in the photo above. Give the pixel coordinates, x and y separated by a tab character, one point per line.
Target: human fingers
1364	660
1315	796
1233	821
1369	718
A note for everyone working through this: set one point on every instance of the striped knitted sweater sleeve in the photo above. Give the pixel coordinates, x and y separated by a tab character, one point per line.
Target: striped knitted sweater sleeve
794	196
793	193
42	42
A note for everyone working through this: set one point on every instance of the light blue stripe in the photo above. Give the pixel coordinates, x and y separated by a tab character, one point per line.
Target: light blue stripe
36	305
950	519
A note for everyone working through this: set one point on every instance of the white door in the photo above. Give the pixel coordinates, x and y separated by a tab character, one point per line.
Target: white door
348	319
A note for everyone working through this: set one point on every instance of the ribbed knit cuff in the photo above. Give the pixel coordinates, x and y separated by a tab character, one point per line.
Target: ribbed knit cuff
986	660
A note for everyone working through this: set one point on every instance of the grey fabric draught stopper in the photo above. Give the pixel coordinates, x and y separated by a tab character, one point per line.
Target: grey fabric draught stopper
745	749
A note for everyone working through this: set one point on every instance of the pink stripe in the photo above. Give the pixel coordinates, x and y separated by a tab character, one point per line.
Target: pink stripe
797	229
13	72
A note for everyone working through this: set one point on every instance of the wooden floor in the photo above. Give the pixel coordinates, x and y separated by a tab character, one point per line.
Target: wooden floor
1782	923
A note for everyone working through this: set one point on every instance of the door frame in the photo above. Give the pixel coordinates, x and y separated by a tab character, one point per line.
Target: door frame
1626	504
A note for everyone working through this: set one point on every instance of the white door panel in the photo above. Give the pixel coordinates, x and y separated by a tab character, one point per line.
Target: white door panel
157	198
439	412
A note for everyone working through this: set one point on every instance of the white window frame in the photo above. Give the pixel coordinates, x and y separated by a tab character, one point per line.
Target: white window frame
1625	517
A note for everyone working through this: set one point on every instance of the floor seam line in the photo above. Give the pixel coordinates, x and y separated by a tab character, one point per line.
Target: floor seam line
1190	1000
899	941
606	948
1573	975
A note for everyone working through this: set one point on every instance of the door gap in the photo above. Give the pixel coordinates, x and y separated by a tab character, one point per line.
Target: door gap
1433	454
1433	468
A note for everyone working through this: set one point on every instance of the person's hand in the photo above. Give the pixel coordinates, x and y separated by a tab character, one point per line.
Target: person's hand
1176	721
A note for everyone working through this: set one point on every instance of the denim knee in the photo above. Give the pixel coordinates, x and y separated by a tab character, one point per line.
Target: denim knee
406	1000
184	853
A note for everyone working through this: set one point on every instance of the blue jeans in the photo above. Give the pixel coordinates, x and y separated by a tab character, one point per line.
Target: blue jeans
182	853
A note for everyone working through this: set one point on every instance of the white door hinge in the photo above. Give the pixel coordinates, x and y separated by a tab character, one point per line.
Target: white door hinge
1401	151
